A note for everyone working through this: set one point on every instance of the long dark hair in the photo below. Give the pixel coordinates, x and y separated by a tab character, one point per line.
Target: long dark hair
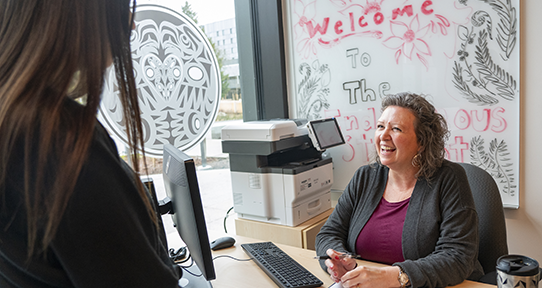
43	44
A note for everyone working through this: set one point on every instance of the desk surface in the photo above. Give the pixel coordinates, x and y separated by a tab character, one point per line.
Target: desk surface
232	273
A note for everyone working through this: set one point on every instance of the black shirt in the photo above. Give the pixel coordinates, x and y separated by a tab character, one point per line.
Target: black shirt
105	238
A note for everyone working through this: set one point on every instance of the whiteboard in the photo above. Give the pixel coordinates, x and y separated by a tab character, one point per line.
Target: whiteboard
345	55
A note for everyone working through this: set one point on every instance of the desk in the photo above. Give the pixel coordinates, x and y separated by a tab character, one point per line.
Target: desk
232	273
302	235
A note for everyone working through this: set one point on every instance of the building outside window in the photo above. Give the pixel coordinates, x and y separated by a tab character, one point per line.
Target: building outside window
228	49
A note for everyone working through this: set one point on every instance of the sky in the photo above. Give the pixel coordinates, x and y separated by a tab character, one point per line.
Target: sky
208	11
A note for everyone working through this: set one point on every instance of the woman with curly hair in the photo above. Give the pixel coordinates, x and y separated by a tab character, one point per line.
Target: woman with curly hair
411	208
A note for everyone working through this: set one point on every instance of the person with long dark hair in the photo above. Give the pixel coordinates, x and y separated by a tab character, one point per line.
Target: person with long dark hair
72	212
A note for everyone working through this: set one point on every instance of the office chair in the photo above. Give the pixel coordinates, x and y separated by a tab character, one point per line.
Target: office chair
491	223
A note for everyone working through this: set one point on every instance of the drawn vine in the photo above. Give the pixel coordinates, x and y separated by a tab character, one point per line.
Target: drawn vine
313	90
484	80
495	161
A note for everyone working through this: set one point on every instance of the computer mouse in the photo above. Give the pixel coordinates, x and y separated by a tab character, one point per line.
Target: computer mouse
222	242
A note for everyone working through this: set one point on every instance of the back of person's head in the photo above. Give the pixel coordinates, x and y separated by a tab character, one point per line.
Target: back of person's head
430	127
44	42
46	45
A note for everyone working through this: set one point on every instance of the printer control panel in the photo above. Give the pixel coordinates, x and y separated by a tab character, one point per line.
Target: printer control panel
325	133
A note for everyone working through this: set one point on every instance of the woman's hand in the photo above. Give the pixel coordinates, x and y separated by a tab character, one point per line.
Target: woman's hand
338	265
371	277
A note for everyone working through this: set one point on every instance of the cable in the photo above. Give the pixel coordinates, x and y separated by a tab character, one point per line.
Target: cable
184	260
228	256
179	255
226	217
185	268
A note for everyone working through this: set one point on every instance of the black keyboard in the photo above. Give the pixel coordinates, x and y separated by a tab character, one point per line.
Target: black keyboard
284	270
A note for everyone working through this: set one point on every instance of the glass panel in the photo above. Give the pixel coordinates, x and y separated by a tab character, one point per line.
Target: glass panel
216	18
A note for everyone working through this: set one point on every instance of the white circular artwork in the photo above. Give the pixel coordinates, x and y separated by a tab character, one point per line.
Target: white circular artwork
178	81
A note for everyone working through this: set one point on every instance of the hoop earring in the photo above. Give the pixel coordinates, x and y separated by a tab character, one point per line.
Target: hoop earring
416	161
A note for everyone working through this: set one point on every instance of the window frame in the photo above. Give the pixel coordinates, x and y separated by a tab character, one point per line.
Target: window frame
262	61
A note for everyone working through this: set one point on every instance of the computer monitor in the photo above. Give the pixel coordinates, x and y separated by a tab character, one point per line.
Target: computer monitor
181	185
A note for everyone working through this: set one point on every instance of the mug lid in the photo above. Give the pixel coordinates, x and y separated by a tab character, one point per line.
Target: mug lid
517	265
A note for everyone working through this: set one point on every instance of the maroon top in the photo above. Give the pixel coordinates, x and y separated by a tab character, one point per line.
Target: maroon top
380	239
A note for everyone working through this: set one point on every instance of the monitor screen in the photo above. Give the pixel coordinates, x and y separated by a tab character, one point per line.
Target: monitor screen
326	132
181	185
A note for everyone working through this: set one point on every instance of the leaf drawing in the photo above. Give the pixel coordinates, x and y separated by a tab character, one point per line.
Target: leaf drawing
491	72
312	90
479	18
495	161
463	84
304	68
464	88
463	33
481	80
507	27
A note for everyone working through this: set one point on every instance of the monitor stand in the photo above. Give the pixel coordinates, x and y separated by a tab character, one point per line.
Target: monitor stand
190	281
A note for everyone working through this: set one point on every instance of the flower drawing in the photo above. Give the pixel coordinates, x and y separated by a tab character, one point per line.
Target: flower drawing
408	40
305	14
307	45
372	7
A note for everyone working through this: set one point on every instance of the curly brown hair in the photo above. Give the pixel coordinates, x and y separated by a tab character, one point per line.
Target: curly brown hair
430	128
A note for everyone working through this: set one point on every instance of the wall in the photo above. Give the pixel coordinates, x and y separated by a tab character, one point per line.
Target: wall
524	225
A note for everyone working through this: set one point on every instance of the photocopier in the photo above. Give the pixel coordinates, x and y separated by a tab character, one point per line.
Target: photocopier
278	173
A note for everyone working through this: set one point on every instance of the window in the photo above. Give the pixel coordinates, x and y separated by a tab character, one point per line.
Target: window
263	84
262	38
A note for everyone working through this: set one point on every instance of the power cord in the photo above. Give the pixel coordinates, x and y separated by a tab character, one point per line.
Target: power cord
176	257
185	268
231	257
226	217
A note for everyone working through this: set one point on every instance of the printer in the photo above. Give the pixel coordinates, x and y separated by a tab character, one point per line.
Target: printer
278	174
